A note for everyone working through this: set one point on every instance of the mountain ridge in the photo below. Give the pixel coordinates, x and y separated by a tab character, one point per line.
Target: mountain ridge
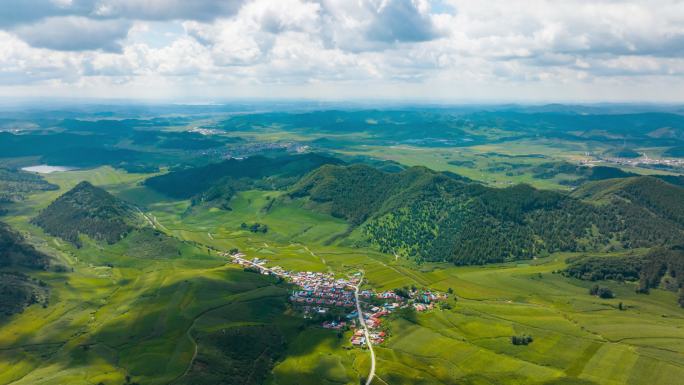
428	215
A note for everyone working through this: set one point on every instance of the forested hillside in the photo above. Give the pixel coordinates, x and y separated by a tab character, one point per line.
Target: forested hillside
221	180
660	198
18	290
15	252
432	216
15	184
89	210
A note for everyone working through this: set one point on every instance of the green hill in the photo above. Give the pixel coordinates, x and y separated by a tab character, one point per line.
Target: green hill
358	192
677	152
15	252
88	210
18	290
223	179
659	198
433	216
15	184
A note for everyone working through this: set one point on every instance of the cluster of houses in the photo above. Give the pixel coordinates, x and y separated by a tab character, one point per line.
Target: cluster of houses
359	337
642	160
373	321
318	293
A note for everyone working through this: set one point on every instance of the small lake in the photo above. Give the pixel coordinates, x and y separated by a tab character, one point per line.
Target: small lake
46	169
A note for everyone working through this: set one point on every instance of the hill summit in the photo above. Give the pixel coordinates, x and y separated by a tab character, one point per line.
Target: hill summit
88	210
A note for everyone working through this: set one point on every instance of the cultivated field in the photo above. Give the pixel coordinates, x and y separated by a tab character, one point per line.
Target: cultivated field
162	318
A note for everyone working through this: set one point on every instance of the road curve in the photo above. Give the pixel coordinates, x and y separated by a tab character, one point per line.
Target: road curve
371	374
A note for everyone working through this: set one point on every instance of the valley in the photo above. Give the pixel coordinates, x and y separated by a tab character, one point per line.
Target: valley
141	287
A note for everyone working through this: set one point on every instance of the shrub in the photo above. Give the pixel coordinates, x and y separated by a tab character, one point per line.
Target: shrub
521	340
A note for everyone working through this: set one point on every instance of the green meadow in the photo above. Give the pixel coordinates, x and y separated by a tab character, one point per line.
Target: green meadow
498	164
135	313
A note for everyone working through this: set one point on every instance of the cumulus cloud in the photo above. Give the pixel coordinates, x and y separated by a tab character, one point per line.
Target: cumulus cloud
372	25
167	9
400	21
558	48
16	12
75	33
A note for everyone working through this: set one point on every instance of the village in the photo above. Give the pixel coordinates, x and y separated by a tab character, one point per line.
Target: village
332	300
641	161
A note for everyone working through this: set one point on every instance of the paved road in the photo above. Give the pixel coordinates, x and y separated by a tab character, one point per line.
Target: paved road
365	332
371	375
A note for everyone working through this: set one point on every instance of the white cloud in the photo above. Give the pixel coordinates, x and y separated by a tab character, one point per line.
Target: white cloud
167	9
75	33
447	48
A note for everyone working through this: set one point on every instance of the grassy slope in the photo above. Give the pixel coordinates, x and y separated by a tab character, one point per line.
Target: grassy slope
569	322
138	314
130	319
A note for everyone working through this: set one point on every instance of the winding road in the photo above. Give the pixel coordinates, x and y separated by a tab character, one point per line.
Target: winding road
371	374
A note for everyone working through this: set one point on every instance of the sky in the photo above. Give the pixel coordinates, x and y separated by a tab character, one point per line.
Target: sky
412	50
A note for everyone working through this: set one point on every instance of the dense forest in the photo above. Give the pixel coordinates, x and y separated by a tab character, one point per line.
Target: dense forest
15	184
222	180
599	268
438	217
88	210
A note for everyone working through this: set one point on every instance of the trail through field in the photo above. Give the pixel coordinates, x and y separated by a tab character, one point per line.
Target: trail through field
149	221
371	374
152	221
192	326
194	354
320	257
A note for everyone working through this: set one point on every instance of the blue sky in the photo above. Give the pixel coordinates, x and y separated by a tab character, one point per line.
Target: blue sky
446	50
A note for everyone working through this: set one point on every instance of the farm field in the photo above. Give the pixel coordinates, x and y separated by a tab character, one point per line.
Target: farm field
501	164
117	315
161	302
335	192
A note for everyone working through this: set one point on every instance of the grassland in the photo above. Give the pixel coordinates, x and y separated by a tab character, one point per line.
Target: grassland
497	164
125	313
